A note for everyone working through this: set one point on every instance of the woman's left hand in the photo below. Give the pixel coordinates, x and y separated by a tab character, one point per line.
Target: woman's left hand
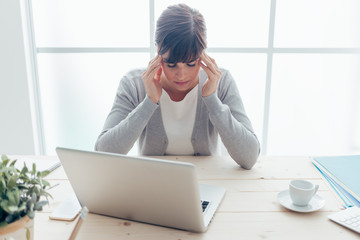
213	72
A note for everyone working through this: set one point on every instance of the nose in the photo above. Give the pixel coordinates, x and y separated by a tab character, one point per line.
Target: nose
180	73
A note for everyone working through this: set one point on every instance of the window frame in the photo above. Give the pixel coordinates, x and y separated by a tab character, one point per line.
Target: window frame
270	50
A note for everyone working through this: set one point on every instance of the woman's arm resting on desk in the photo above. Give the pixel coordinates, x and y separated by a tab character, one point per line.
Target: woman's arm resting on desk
227	114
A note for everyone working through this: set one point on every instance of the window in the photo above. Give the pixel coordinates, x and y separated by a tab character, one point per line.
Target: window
295	63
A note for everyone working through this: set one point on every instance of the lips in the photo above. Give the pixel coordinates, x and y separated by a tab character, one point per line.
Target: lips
182	83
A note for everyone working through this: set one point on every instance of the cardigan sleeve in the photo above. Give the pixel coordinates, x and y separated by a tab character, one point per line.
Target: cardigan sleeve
128	117
227	114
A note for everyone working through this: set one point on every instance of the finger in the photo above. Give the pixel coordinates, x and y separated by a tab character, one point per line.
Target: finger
158	74
204	57
154	59
214	62
209	62
150	73
210	66
154	64
154	72
206	69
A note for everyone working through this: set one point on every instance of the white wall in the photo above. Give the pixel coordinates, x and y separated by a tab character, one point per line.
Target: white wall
16	133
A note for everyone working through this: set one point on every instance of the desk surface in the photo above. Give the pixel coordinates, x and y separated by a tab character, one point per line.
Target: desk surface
249	210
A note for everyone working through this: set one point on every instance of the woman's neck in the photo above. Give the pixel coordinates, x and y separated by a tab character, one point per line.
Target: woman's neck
176	95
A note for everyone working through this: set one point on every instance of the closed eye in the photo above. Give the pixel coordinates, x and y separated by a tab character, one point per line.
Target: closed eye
190	64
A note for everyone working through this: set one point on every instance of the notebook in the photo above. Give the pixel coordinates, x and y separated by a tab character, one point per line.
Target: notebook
342	173
148	190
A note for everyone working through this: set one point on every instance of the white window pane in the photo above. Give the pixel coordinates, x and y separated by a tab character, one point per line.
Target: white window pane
249	71
230	23
320	23
84	23
77	93
315	105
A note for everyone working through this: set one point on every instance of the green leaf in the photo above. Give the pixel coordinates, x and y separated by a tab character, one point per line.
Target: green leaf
38	206
31	214
46	194
11	197
24	170
4	205
45	173
13	209
12	164
33	171
17	196
22	207
45	183
33	198
12	182
3	224
4	160
2	185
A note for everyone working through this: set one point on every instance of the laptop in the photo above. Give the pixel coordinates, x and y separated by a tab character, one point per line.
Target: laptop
148	190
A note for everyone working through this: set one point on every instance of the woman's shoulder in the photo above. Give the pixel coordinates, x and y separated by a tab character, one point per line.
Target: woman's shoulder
225	73
135	74
227	83
133	78
131	84
226	78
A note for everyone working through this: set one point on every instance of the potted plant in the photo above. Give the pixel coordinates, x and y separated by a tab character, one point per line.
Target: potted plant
21	193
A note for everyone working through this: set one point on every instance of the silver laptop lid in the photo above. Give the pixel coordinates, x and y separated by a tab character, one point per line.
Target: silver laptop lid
143	189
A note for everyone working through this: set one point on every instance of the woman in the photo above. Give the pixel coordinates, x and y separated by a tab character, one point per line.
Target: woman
182	102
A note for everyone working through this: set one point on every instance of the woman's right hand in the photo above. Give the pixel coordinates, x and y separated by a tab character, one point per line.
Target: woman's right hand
151	78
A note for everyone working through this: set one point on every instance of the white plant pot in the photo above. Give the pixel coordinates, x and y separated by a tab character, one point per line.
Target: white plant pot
23	229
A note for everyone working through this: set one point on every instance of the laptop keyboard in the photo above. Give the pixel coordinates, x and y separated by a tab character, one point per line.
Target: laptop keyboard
204	204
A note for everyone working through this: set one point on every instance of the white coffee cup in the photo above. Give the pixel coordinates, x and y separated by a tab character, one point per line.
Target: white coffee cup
302	191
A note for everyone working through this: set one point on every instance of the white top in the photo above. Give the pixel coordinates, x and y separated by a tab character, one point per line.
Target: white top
178	119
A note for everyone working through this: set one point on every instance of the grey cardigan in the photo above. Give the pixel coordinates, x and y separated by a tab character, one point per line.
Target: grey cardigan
134	116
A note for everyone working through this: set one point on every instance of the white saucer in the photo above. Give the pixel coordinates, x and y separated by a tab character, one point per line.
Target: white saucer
315	204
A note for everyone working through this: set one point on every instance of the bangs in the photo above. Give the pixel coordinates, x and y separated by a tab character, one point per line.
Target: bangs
183	50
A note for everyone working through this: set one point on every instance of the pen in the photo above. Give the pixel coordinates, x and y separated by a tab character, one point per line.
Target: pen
83	214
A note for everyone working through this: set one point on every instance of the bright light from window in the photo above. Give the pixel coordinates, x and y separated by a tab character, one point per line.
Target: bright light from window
314	103
320	23
84	23
77	92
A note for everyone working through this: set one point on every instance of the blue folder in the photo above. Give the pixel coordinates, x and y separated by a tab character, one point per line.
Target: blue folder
343	175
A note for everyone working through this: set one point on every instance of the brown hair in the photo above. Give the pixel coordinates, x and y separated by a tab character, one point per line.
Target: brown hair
181	30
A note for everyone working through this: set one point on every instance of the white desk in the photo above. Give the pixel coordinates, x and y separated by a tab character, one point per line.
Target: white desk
249	210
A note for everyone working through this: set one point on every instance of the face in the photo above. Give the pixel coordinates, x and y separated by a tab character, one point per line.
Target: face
179	77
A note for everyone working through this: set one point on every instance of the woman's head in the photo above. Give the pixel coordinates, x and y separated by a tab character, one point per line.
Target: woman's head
181	33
